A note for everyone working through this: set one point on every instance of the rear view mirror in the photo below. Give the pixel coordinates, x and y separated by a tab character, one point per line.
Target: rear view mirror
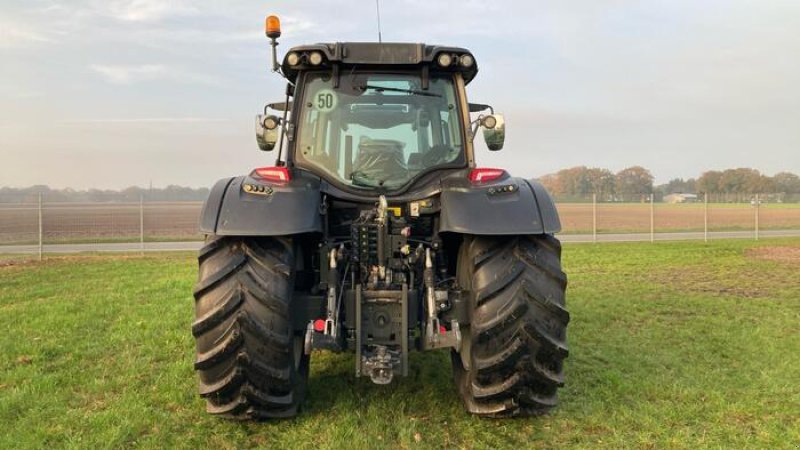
494	131
266	131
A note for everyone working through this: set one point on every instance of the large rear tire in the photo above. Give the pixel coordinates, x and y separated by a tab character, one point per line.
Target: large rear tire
511	360
250	361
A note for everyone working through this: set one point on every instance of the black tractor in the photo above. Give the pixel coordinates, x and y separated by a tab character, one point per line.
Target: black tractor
375	232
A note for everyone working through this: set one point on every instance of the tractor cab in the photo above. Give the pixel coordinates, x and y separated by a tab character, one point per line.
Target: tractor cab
375	116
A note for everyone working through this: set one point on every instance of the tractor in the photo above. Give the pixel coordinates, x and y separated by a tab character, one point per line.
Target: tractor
375	232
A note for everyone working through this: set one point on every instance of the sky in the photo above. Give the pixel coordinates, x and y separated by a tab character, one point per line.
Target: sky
115	93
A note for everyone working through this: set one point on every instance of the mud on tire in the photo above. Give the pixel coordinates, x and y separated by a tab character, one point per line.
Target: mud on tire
250	362
511	362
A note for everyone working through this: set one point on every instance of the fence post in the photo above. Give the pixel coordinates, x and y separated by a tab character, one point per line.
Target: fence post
41	234
758	206
652	218
141	224
705	217
594	217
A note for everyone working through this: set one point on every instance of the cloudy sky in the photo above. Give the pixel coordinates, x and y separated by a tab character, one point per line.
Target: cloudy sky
113	93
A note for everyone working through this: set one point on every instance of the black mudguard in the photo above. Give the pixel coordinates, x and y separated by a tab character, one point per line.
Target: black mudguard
279	210
510	206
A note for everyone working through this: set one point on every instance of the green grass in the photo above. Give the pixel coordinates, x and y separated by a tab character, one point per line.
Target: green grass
679	345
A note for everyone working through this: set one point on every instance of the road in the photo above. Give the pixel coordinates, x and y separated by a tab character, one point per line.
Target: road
572	238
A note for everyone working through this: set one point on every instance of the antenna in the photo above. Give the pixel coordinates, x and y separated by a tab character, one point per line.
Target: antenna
378	9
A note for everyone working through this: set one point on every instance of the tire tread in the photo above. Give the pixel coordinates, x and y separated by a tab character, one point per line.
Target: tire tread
243	329
518	325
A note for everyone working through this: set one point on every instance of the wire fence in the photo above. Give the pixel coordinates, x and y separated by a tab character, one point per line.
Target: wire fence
689	216
40	226
701	213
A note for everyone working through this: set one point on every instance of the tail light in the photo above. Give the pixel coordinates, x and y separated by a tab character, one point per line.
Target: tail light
273	174
484	175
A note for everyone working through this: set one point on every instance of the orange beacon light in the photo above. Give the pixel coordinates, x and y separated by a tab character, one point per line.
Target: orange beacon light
273	27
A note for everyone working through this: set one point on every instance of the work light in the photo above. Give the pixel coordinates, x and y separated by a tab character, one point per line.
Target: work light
315	58
444	59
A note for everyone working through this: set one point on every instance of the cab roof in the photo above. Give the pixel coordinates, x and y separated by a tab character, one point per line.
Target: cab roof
378	56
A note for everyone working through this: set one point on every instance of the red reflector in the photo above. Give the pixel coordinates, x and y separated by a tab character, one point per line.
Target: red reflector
319	325
277	174
483	175
442	329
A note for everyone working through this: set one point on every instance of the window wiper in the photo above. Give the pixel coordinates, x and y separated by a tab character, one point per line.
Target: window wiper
405	91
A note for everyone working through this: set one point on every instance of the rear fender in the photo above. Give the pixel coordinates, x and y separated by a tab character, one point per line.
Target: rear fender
280	209
509	206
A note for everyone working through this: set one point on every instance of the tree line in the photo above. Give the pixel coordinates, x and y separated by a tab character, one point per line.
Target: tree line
582	181
636	181
171	193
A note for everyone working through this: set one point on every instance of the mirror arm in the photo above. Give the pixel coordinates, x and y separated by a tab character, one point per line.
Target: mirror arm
473	127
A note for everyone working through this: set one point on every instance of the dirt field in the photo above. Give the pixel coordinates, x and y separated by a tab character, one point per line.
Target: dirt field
92	222
69	222
635	217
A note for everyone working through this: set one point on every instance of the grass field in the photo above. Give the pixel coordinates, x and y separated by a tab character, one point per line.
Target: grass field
679	345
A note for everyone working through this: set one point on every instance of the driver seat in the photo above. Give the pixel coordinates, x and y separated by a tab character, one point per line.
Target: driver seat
381	159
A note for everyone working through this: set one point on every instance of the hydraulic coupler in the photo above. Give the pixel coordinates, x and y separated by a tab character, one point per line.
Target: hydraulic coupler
436	335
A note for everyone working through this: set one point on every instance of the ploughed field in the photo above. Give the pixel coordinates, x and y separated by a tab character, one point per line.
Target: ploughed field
109	222
576	218
672	345
99	222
